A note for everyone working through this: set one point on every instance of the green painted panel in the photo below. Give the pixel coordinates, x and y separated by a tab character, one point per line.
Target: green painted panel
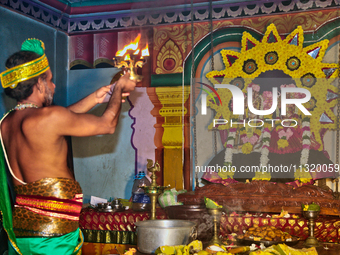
166	80
229	34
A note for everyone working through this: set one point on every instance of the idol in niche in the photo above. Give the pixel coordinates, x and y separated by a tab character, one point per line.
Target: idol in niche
277	147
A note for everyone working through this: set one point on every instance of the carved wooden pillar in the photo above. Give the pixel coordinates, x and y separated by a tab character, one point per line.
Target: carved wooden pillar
174	109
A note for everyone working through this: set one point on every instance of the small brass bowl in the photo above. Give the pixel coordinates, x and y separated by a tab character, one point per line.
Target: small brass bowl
311	214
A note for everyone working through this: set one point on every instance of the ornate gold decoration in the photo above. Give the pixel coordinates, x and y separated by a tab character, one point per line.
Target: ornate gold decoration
124	219
169	59
117	218
336	224
288	22
273	222
122	227
247	221
301	223
231	220
181	35
110	219
102	218
291	222
11	77
108	226
283	222
284	23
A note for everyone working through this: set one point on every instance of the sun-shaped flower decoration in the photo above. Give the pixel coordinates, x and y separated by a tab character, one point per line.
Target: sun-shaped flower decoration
303	64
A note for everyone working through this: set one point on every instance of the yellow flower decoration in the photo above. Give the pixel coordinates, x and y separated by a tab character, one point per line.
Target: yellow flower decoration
288	55
247	148
302	174
226	174
268	125
262	176
258	132
282	143
278	127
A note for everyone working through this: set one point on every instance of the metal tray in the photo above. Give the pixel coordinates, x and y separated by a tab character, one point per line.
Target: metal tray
249	242
110	210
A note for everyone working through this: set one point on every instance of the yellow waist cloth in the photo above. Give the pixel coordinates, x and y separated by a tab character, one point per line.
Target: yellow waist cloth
47	207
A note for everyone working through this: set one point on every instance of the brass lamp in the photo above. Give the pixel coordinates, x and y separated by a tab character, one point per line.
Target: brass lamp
153	190
131	57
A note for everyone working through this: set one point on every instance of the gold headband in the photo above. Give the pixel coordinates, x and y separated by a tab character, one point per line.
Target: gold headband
11	77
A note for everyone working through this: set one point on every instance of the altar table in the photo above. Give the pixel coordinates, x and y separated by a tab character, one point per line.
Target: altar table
113	227
106	232
327	228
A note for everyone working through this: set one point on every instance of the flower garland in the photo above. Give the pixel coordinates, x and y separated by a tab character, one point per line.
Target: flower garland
249	142
284	136
230	145
264	159
303	173
228	156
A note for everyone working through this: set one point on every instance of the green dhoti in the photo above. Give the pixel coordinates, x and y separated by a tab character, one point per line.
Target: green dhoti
45	215
50	245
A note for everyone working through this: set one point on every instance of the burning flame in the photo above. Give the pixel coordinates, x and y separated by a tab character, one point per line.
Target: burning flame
131	46
145	52
127	57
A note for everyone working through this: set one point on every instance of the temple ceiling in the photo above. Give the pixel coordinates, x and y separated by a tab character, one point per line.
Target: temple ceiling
92	16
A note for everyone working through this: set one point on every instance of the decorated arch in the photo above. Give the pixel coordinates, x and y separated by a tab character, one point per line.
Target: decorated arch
284	138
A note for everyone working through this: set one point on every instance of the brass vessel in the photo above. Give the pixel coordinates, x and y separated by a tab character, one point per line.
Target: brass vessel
216	215
311	216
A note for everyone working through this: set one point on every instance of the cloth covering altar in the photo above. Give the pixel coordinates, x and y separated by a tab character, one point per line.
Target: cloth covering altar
105	232
113	227
327	228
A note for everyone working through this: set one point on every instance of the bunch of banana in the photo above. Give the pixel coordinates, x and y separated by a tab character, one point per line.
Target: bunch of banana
193	248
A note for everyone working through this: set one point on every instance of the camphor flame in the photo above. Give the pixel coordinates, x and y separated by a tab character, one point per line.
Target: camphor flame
131	46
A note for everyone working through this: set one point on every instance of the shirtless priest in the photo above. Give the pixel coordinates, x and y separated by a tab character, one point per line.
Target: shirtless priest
45	215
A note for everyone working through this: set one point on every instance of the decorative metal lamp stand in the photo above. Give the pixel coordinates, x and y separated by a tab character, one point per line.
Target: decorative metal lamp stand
216	215
153	190
311	216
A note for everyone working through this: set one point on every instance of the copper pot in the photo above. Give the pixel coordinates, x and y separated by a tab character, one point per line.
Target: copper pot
195	213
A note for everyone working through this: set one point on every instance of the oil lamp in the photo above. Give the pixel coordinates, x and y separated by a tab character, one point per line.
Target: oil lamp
131	57
153	190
